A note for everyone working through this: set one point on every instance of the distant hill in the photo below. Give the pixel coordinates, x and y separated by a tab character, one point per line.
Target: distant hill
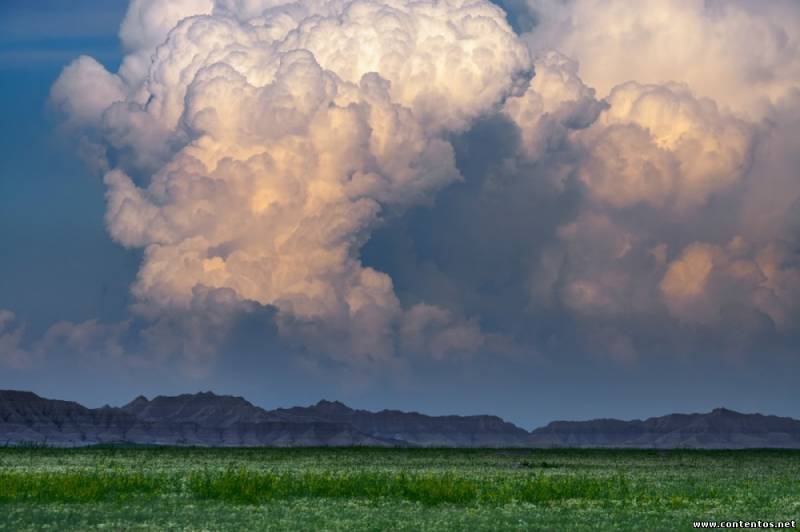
201	420
207	419
27	418
719	429
205	409
416	429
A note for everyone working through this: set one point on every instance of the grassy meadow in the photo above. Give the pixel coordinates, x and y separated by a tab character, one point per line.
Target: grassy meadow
391	489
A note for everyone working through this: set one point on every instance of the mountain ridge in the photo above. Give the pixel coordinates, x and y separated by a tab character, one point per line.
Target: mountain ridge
208	419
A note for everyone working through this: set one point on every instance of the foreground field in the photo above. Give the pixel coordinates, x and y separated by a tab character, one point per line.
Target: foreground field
402	489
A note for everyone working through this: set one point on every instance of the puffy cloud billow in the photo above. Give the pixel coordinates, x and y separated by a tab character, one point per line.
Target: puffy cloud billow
641	182
743	54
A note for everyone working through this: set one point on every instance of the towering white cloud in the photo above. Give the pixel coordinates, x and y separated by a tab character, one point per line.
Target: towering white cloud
254	146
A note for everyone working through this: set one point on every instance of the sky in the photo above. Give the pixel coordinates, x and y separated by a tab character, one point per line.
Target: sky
538	209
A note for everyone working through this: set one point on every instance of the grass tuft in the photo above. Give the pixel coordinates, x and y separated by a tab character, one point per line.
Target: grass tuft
78	486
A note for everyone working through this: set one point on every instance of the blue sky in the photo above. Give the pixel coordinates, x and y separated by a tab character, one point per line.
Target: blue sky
51	212
472	248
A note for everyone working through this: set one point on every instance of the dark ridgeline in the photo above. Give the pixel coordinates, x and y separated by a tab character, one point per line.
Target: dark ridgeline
203	420
413	428
206	419
719	429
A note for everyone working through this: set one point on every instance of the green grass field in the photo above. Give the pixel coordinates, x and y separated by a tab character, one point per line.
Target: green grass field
391	489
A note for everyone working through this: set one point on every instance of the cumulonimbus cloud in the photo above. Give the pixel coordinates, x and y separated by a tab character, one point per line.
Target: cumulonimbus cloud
252	147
